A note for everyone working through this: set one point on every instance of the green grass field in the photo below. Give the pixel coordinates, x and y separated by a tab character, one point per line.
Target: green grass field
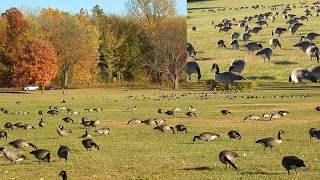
139	152
283	60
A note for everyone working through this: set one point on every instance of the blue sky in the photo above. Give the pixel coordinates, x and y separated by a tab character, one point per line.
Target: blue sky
73	6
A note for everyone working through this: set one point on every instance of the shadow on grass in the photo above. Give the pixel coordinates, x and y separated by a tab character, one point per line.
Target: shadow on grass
260	173
202	59
201	168
14	92
255	78
284	63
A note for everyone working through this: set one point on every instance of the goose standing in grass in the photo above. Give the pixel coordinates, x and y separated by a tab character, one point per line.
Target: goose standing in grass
193	67
181	127
164	128
63	174
279	31
310	36
304	45
235	35
62	131
89	144
255	30
234	44
237	66
190	114
42	154
41	123
190	50
313	51
317	108
292	163
225	77
220	43
21	144
225	29
3	134
315	71
206	136
246	37
86	134
271	141
8	125
312	132
293	28
274	43
265	53
225	112
63	152
227	157
234	135
12	155
170	113
302	75
252	46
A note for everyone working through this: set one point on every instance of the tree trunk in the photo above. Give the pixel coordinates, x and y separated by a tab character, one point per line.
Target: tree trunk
176	83
65	78
42	89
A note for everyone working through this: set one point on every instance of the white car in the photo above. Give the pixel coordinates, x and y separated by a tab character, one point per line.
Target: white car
31	87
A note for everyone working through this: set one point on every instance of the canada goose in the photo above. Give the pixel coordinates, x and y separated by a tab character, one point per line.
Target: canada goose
252	46
235	35
304	45
193	67
292	162
170	113
260	23
293	29
252	117
310	36
224	29
301	75
63	101
279	31
226	157
246	36
134	121
8	125
265	53
21	144
164	128
63	152
68	120
274	43
292	21
12	155
86	134
53	112
181	127
275	116
159	121
265	116
85	122
160	111
19	125
148	122
177	109
41	123
190	50
191	109
194	28
225	77
237	66
3	134
42	154
220	43
272	18
103	131
62	131
234	44
234	135
89	143
94	123
132	108
28	126
315	71
255	30
312	132
283	113
206	136
246	28
225	112
63	174
317	108
40	113
190	114
313	51
271	141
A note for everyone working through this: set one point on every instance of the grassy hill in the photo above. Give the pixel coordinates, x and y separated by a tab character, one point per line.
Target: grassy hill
283	60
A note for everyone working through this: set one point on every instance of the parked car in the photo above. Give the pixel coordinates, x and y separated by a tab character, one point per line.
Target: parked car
31	87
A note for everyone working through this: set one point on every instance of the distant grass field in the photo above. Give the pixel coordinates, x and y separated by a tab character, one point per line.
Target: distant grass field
139	152
283	60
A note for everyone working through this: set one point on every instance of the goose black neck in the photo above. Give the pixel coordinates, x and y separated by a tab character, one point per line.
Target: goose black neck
217	67
279	133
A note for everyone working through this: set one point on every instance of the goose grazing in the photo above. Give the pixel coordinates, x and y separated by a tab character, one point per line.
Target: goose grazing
63	152
27	126
42	154
265	53
246	36
310	36
225	77
94	123
315	71
274	43
237	66
234	44
279	31
271	141
103	131
62	131
159	121
260	23
252	46
53	112
225	112
235	35
265	116
8	125
234	135
292	163
148	122
194	28
275	116
12	155
224	29
312	132
301	75
3	134
181	127
293	28
86	134
21	144
255	30
191	109
313	51
193	67
304	45
68	120
89	144
252	117
190	114
206	136
283	113
134	121
317	108
160	111
170	113
227	157
40	113
190	50
85	122
164	128
63	174
41	123
221	44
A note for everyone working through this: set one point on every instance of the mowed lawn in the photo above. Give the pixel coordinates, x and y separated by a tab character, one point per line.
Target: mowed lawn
283	60
139	152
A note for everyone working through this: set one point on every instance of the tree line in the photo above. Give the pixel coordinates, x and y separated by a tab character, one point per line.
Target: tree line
52	47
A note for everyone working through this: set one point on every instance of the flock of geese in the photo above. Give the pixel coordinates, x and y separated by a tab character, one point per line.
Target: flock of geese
298	75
